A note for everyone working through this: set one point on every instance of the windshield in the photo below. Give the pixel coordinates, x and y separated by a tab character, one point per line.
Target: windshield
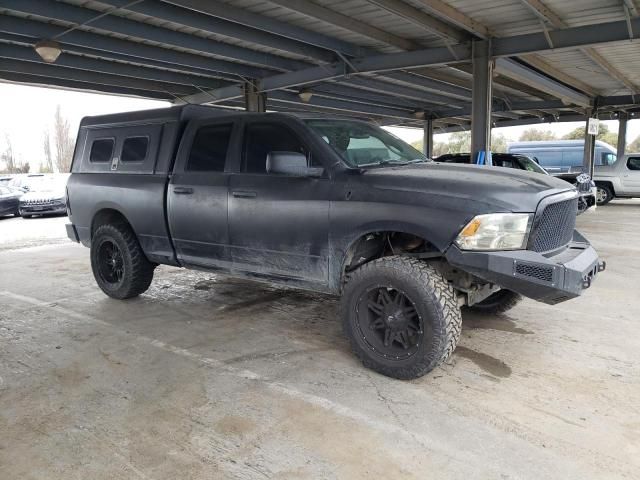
530	165
363	145
47	184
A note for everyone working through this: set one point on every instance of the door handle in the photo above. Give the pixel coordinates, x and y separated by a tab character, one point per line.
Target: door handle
183	190
243	194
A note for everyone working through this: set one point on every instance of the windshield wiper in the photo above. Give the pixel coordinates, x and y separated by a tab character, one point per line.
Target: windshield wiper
385	162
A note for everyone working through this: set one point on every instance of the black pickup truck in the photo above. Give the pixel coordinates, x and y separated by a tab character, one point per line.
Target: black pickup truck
327	204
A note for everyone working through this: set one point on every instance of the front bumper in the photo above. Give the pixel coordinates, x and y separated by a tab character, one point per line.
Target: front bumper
42	209
547	278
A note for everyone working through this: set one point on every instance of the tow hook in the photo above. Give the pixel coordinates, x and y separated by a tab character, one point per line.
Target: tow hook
586	280
602	266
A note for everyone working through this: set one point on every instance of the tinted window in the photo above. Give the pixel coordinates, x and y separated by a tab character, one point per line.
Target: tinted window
134	149
633	163
262	138
548	158
209	149
608	158
101	150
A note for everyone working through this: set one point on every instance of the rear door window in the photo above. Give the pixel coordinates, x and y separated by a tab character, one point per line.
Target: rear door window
209	148
633	163
101	150
608	158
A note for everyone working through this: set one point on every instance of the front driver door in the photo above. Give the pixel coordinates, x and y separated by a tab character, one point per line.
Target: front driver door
197	196
278	224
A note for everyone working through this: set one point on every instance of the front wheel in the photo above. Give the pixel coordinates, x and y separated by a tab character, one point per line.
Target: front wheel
401	316
119	265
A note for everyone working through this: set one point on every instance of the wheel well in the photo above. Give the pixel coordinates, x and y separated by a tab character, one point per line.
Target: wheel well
107	216
606	184
373	245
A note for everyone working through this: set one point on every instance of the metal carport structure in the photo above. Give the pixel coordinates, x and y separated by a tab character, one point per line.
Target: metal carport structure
433	64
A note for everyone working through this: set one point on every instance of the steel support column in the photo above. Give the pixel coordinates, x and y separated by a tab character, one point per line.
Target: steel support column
622	134
481	98
589	144
254	100
427	145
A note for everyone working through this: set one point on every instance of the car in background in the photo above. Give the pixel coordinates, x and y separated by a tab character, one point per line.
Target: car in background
9	200
563	156
581	181
47	195
22	181
620	180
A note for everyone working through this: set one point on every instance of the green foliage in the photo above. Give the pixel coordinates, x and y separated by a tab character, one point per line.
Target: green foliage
536	134
604	134
460	142
634	146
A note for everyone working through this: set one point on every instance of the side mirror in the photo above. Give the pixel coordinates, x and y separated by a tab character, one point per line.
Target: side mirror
291	163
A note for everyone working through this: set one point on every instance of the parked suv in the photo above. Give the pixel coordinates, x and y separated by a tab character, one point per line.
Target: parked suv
622	179
326	204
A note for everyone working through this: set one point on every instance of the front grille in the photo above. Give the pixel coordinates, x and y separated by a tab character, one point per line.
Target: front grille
553	228
541	272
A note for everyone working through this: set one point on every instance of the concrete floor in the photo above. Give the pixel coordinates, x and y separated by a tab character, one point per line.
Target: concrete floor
205	377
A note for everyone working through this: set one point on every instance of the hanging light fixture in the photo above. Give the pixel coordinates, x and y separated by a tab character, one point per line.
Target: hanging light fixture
49	50
305	95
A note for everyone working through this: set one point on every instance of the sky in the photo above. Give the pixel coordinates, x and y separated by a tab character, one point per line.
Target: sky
26	112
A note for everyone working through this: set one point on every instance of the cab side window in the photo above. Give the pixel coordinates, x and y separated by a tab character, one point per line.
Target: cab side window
209	148
262	138
633	163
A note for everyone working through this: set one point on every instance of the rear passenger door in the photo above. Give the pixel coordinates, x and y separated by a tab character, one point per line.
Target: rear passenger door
197	195
278	224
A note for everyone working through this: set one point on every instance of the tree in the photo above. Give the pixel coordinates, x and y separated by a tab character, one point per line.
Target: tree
63	141
23	168
8	156
48	157
634	146
534	134
498	142
460	142
604	134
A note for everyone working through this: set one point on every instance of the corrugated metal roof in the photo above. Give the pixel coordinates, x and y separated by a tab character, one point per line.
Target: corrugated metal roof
391	33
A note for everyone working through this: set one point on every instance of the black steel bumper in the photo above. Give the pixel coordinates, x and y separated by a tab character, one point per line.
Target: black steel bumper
72	233
42	209
547	278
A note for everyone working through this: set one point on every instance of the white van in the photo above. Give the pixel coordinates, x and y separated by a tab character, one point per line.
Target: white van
560	156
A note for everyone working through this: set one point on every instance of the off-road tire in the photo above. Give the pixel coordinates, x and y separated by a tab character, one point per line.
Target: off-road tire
137	272
607	192
434	300
497	303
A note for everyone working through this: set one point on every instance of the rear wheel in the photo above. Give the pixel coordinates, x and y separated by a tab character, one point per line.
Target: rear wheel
496	303
401	316
119	265
604	194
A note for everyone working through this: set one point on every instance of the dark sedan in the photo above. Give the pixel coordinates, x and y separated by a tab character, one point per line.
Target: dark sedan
9	201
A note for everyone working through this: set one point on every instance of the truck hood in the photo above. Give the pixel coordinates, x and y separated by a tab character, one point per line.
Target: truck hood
480	188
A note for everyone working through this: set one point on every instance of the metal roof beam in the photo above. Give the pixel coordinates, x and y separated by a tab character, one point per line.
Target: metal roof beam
78	15
549	16
218	26
421	19
332	17
37	30
254	20
45	81
28	54
65	73
452	15
522	74
506	46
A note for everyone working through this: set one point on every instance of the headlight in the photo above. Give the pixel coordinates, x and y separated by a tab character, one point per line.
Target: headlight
496	231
